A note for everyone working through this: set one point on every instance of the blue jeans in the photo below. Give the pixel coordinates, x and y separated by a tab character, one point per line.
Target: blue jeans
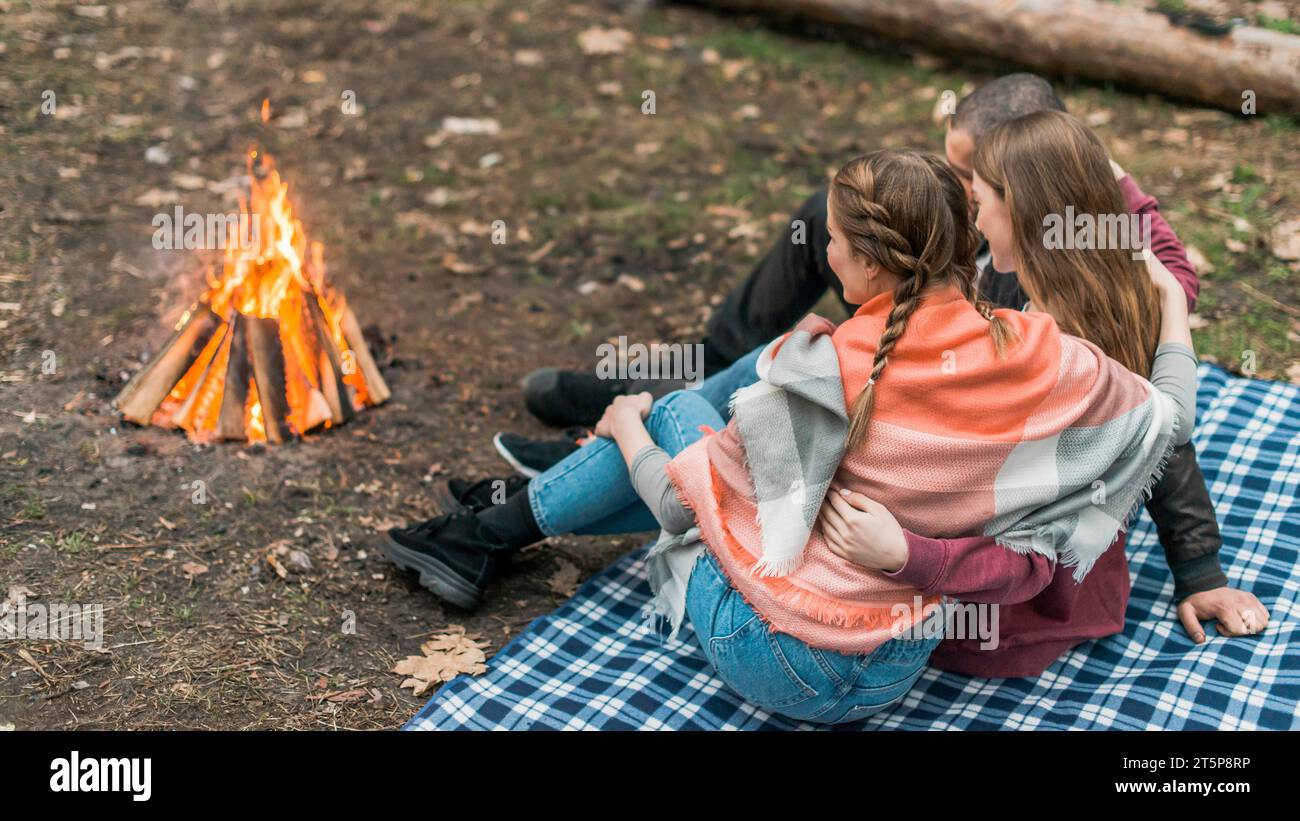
782	674
589	492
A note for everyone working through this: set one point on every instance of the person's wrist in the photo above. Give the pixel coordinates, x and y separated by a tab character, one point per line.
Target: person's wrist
898	555
625	421
1175	299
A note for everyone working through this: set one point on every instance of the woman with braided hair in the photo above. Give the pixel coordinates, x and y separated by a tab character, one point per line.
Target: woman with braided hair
1030	173
957	416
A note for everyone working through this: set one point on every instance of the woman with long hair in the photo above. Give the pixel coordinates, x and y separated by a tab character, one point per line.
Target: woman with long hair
935	403
1035	178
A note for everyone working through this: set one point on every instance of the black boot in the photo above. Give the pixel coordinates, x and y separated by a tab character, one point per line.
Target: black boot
455	555
454	495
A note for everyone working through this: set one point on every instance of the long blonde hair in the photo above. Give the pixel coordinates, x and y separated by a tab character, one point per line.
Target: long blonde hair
1042	164
906	212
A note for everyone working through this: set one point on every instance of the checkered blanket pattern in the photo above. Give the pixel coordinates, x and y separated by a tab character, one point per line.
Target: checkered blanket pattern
592	665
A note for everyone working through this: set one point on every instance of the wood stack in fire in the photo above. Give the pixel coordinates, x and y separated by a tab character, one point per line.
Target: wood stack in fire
270	351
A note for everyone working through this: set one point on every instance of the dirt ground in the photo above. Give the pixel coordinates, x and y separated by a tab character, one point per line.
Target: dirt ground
619	222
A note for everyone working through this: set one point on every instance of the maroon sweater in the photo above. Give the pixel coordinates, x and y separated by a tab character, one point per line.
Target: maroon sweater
1043	612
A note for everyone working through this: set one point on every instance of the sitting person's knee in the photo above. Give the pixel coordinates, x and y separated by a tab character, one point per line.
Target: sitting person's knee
682	401
675	420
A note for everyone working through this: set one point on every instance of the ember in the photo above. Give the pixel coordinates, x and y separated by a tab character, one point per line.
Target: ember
270	350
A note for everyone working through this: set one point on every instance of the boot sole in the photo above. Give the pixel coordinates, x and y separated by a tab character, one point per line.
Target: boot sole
435	576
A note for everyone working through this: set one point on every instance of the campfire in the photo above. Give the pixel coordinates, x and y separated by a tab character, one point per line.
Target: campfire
270	350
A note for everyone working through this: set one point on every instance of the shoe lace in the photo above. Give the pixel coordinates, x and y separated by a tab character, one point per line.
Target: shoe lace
476	488
430	527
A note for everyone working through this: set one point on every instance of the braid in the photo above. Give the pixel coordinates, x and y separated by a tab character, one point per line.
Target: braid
907	298
906	212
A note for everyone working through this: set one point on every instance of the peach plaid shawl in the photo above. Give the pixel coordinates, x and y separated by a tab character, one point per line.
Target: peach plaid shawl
961	442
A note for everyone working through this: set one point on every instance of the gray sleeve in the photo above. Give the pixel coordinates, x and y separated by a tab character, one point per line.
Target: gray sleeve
650	479
1174	374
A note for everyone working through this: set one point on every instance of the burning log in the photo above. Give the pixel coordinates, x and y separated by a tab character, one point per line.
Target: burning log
201	394
263	339
375	384
270	352
148	388
331	368
230	419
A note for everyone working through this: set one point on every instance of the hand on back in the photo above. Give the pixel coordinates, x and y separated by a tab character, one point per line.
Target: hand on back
862	531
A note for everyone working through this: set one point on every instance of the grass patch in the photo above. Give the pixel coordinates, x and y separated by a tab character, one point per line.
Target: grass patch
1284	26
73	542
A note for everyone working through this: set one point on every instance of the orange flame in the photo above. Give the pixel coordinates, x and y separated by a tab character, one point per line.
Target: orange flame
271	272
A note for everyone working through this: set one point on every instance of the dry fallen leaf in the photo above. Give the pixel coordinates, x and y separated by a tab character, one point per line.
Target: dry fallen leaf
1286	240
596	40
446	656
474	228
564	581
1197	259
155	197
292	118
192	569
275	551
728	211
1216	182
421	222
473	126
537	255
190	182
1100	117
382	523
18	593
453	263
464	302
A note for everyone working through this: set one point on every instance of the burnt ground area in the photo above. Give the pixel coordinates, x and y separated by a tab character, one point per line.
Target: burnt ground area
619	223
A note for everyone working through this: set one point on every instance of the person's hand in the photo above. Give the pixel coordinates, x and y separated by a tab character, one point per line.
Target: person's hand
862	531
1161	276
1235	613
623	408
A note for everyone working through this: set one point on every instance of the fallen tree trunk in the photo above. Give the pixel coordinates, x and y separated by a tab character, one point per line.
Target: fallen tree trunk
1085	38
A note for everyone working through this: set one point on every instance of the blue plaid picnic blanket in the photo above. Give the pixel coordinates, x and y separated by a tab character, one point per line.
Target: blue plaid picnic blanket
592	664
